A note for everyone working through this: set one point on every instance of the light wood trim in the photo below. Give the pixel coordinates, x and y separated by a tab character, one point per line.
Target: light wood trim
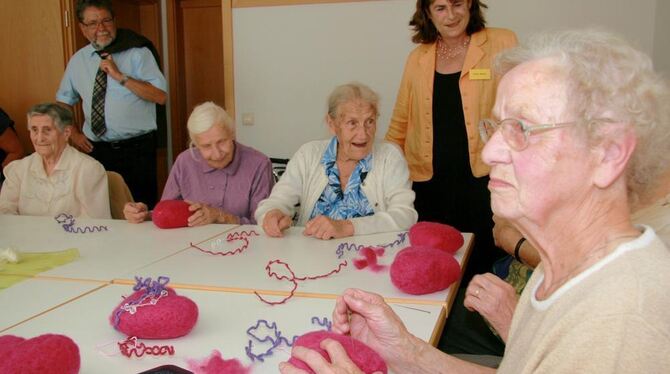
174	78
439	327
228	61
69	30
265	3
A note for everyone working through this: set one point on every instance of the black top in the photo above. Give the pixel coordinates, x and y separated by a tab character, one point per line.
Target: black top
450	141
5	124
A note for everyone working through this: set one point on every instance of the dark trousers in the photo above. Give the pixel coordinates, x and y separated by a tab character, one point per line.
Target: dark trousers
467	332
135	160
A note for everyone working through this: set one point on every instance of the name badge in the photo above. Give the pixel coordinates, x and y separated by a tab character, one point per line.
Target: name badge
480	74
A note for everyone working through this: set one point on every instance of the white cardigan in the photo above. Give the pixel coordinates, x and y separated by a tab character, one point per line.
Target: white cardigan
387	187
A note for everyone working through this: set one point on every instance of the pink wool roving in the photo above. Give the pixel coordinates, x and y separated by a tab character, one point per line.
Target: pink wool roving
170	214
166	317
419	270
436	235
44	354
215	364
363	356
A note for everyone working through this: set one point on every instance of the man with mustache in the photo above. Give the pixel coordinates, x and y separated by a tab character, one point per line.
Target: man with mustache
119	82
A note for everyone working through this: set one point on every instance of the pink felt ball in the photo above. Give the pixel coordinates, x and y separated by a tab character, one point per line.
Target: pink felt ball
171	317
170	214
44	354
418	270
436	235
363	356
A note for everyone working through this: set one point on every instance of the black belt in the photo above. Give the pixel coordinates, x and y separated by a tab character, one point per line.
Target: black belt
128	143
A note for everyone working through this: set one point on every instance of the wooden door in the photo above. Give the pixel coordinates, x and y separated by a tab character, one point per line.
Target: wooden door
196	48
34	57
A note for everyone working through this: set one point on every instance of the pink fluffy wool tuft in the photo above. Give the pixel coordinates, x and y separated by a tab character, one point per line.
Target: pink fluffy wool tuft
170	214
44	354
215	364
419	270
171	317
369	259
363	356
436	235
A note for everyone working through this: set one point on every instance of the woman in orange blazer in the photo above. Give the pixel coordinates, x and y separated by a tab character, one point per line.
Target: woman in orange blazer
447	87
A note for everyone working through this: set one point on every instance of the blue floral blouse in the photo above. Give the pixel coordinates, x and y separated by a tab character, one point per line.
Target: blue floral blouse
351	203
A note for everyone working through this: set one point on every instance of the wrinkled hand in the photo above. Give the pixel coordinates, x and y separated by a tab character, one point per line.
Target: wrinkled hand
340	361
322	227
366	317
135	212
275	222
80	141
108	65
203	214
494	299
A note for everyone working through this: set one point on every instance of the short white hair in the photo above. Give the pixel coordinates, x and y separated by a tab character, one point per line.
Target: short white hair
607	77
206	115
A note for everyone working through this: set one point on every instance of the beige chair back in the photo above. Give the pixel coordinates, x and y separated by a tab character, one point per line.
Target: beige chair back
119	194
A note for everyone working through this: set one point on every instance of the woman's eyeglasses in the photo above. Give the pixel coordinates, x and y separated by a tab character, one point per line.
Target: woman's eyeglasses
514	131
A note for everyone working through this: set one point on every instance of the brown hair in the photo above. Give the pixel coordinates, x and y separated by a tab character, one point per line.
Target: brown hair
426	33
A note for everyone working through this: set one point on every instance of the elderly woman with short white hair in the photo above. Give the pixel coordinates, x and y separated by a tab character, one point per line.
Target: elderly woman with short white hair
348	185
581	129
56	178
222	179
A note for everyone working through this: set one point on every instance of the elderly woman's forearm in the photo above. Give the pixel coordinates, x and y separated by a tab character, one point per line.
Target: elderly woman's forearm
422	358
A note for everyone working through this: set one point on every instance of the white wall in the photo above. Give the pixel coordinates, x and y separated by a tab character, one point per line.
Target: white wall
288	58
632	19
662	37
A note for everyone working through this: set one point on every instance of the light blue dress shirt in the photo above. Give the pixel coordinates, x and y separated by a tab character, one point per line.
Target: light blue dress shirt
126	114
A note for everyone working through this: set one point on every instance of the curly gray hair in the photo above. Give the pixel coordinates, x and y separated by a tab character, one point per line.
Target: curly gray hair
350	92
61	116
608	78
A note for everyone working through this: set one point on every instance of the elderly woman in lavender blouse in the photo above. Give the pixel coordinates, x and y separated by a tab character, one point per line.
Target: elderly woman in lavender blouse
221	179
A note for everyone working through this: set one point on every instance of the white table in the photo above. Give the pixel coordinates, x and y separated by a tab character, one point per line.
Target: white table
222	324
306	256
32	297
104	255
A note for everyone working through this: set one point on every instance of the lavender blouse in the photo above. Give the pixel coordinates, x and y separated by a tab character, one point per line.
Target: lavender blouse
237	188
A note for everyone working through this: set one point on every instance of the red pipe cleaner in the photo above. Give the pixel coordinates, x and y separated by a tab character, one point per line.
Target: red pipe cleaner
242	235
293	279
130	346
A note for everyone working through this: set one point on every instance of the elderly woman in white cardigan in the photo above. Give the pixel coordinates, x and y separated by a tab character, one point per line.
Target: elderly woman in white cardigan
348	185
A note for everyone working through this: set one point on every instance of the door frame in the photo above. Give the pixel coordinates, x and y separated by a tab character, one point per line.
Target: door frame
177	84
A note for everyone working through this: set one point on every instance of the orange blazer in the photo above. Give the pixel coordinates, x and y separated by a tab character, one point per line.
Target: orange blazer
412	120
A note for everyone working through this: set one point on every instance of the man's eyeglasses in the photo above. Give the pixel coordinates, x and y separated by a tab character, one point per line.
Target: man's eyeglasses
514	131
95	24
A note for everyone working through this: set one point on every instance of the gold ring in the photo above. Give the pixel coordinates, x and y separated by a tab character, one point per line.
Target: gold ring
477	292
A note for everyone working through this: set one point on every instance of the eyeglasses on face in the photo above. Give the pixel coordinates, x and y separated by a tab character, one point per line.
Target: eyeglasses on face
514	131
106	22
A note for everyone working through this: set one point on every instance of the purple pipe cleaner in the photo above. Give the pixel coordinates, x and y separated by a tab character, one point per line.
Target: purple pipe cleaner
275	340
153	289
67	221
357	247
